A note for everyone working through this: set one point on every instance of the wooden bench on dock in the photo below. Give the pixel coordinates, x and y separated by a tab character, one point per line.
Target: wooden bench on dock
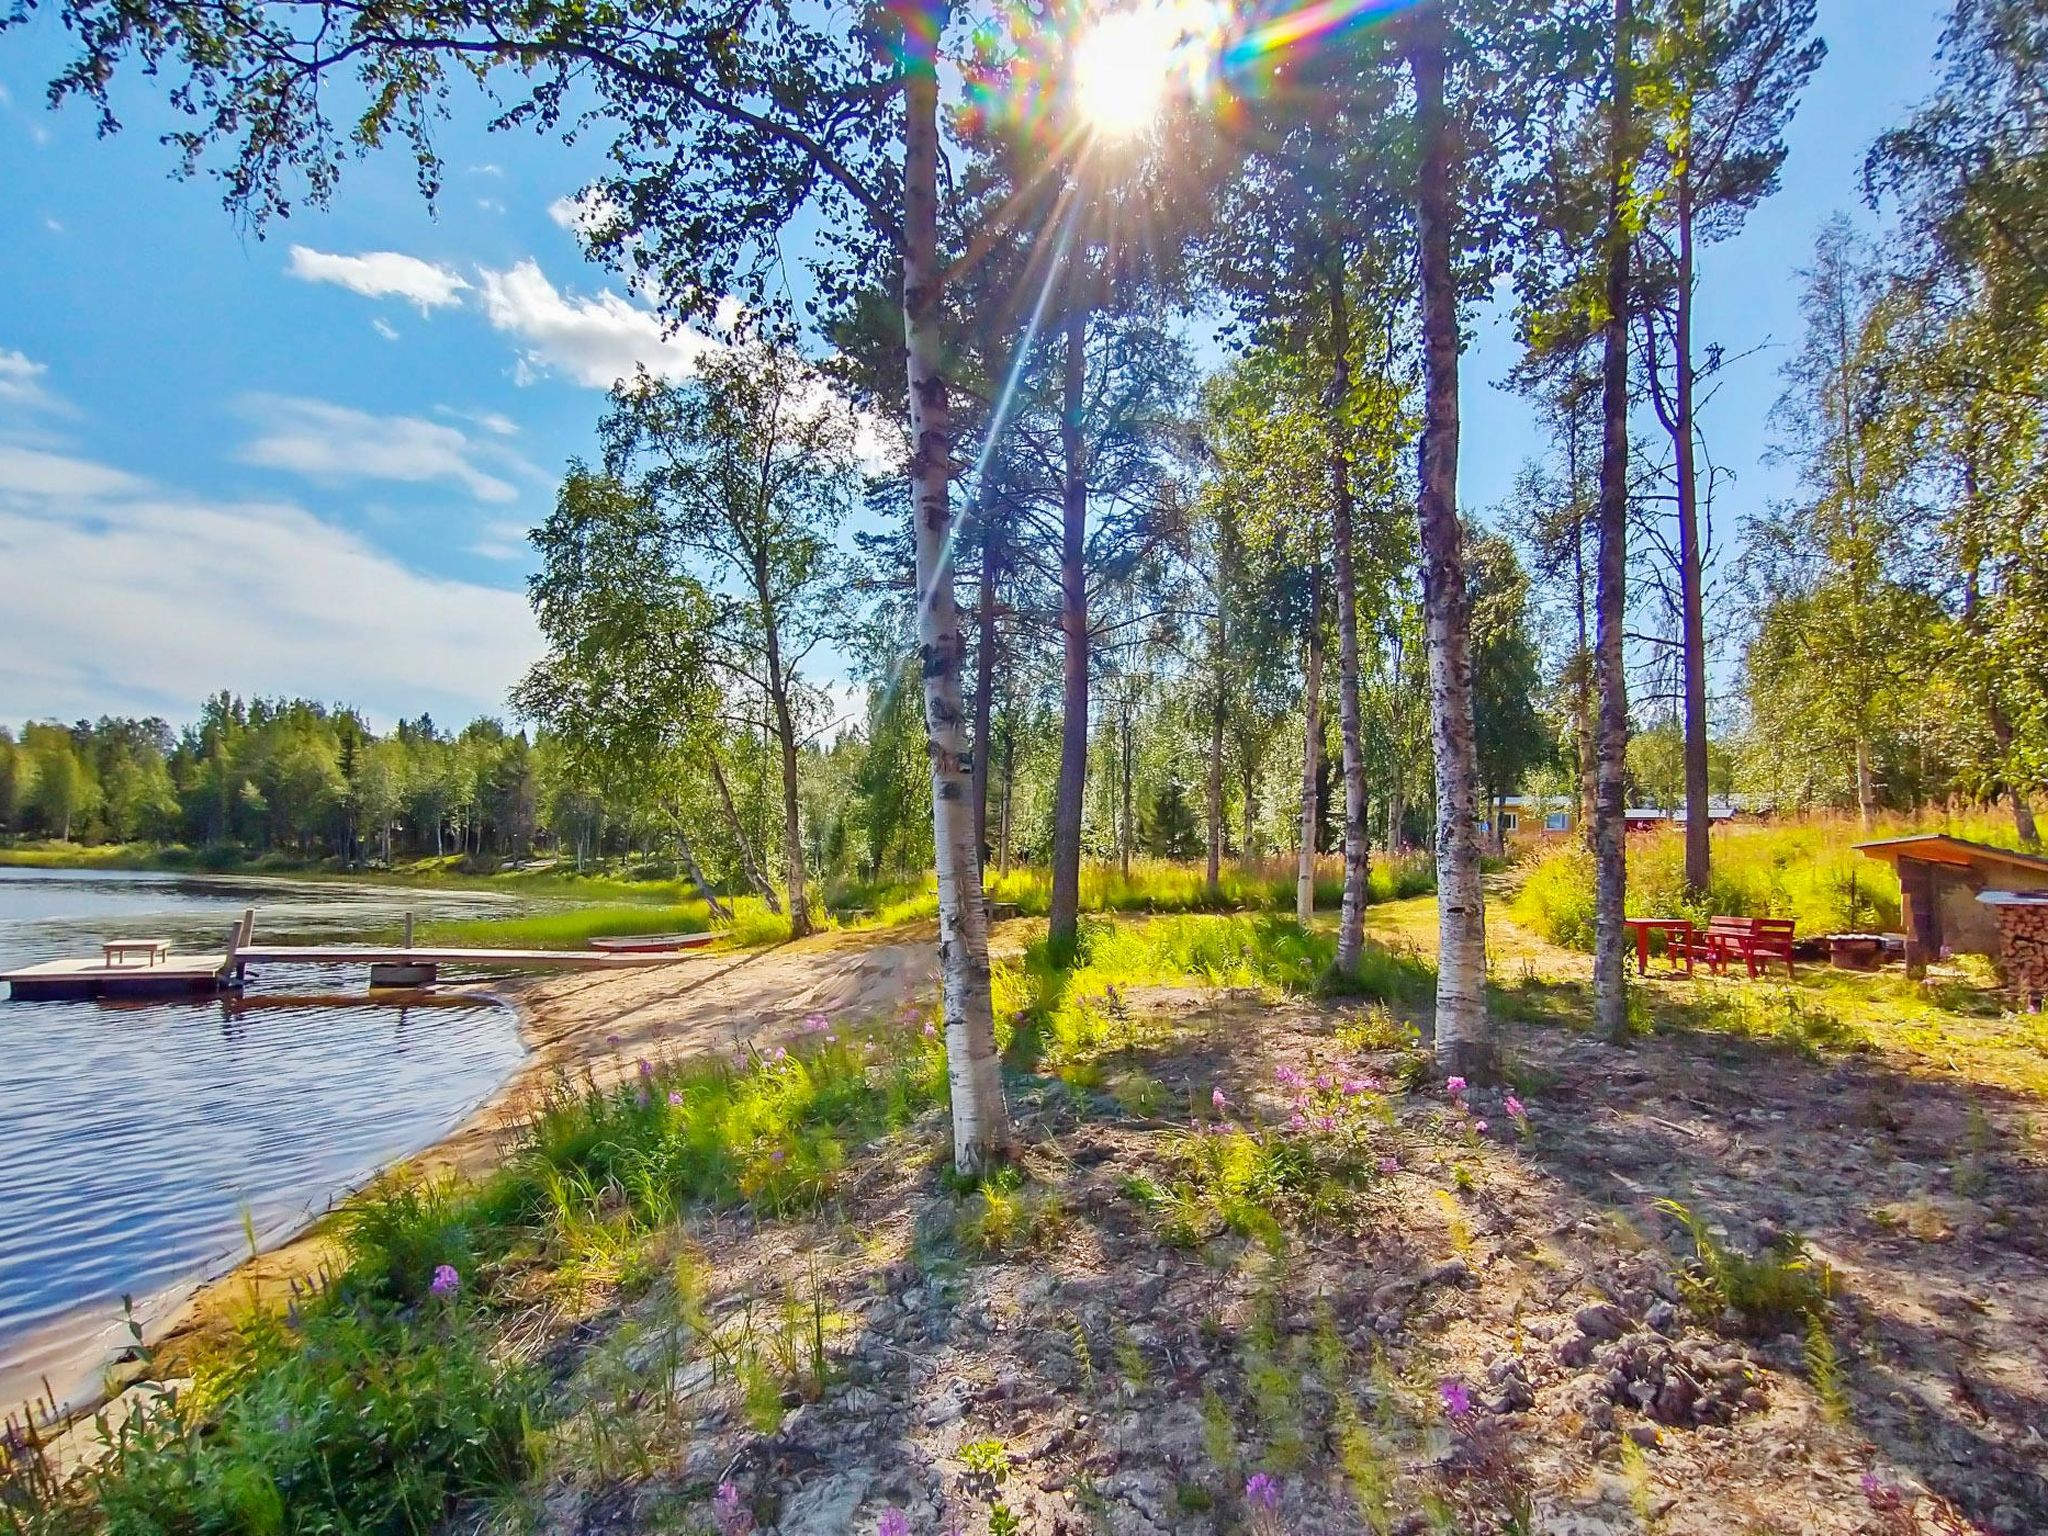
117	951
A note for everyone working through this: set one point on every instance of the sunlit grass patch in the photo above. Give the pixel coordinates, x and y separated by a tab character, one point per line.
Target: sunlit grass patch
574	927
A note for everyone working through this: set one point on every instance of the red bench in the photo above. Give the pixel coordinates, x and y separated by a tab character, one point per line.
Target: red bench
1754	939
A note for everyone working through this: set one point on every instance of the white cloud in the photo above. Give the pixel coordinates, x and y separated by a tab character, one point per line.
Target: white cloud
334	443
384	328
596	341
376	274
500	539
189	595
491	421
21	381
34	472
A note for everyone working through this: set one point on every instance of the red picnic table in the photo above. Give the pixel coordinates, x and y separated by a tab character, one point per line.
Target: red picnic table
1681	931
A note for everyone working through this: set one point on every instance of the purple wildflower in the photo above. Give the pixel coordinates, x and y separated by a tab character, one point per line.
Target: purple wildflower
1287	1077
1390	1165
646	1067
781	1054
1457	1400
727	1513
1514	1107
893	1523
675	1097
1355	1087
816	1023
1217	1101
1479	1126
447	1280
1262	1492
1881	1494
612	1041
931	1030
1454	1086
1297	1121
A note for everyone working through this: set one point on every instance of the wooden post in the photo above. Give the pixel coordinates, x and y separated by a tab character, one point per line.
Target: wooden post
228	961
1916	902
408	930
248	928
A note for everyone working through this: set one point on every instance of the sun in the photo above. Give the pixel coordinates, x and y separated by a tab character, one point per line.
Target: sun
1128	61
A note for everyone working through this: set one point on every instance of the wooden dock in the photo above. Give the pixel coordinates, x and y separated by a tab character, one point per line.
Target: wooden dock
389	965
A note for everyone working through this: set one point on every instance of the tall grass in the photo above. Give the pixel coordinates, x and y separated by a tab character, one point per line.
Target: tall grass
574	927
1806	869
1152	886
1068	1014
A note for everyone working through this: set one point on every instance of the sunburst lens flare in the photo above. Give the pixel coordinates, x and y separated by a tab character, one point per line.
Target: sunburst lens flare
1129	62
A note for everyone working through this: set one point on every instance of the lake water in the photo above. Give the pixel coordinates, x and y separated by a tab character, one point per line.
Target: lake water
140	1142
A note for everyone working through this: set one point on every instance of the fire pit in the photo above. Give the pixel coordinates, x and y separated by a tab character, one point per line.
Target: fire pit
1856	951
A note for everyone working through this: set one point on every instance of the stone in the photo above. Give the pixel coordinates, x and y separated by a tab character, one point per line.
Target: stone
826	1508
1601	1320
1663	1317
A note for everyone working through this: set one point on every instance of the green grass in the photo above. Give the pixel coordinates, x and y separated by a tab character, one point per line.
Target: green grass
575	927
1153	886
1071	1014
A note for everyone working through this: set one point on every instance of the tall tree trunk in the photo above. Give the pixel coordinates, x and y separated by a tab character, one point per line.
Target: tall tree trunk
980	1117
748	863
1127	821
696	873
1215	869
1610	855
1311	744
1219	658
1582	659
1247	849
1691	572
1464	1037
984	677
1064	912
1009	787
785	742
1357	846
792	812
1866	784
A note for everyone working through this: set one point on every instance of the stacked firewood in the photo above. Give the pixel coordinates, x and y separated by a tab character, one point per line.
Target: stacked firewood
2023	949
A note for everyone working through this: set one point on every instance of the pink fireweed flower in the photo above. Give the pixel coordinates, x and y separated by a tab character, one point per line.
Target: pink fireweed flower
1287	1077
1457	1400
1297	1121
816	1023
1355	1087
1390	1165
728	1514
1479	1126
780	1054
1514	1107
1217	1101
931	1030
893	1523
1454	1086
447	1280
675	1098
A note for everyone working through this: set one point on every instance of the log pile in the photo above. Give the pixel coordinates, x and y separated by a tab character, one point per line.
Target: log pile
2023	949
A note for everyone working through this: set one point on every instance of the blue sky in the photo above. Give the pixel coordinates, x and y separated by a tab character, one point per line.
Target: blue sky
305	463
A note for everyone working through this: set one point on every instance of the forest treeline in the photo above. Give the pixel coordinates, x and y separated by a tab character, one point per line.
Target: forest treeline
1122	589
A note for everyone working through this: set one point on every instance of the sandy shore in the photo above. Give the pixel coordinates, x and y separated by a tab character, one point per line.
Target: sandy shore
706	1001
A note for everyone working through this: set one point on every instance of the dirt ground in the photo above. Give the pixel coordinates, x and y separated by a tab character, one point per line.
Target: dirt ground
1487	1330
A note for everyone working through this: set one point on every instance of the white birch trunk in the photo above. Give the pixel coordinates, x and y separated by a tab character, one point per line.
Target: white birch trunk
980	1117
1464	1036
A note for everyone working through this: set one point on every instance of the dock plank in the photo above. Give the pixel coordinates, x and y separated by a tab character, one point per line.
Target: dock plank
191	973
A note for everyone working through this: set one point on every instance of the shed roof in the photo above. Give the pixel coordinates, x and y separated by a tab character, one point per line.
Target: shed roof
1940	848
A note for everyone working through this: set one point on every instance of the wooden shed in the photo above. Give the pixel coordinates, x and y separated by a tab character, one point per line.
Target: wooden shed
1939	878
